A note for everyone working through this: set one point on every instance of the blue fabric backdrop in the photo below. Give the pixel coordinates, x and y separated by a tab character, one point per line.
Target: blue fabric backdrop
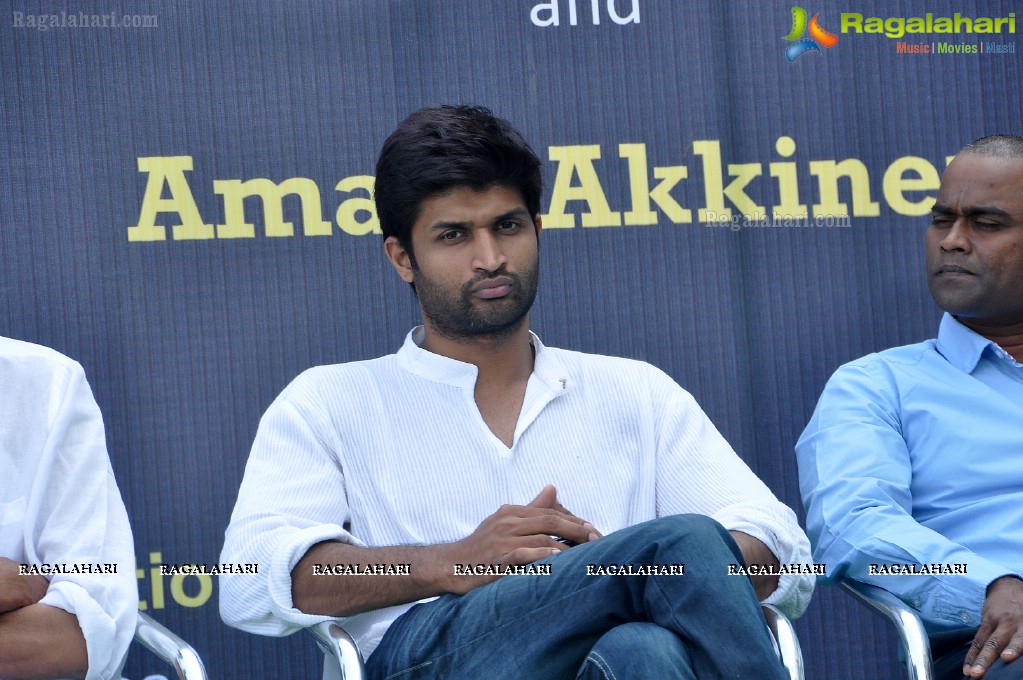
186	340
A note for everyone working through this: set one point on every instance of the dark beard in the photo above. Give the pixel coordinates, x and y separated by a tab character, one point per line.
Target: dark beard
462	318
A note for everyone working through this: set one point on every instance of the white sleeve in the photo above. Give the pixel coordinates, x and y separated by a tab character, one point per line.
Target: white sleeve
292	497
699	472
75	516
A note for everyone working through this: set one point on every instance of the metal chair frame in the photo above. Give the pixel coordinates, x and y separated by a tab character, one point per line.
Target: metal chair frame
160	641
912	635
337	644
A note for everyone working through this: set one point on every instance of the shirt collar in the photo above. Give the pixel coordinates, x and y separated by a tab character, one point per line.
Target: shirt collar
439	368
962	347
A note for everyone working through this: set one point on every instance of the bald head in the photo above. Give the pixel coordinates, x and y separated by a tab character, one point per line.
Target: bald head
996	146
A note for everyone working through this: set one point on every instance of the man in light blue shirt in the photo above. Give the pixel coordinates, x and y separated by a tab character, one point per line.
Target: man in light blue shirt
911	468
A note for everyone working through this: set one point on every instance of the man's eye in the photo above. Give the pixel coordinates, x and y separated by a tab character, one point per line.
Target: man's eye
986	225
450	236
508	225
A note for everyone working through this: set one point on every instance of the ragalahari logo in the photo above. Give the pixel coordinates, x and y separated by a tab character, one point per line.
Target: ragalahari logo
818	36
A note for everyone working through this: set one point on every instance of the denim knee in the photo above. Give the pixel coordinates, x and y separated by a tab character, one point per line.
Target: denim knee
636	650
699	529
692	525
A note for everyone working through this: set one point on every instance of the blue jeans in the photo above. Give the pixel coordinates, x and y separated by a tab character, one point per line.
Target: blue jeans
706	624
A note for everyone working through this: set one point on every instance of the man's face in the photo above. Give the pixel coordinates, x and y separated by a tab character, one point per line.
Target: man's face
975	240
475	264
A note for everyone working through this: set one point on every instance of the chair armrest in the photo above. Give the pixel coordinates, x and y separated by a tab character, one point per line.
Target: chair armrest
911	630
169	647
788	644
337	644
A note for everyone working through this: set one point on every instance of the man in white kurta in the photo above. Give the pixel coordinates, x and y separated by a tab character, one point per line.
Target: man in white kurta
480	505
343	455
68	596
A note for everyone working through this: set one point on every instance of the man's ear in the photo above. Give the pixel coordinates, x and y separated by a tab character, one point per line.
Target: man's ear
538	223
400	258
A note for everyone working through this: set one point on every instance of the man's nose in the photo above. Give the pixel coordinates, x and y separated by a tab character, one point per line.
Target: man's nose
487	252
957	237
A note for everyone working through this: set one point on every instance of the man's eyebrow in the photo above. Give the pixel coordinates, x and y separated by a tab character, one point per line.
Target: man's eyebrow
986	210
513	214
444	225
971	211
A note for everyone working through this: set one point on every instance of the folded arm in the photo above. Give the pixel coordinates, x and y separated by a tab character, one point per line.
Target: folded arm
36	641
39	641
514	535
292	526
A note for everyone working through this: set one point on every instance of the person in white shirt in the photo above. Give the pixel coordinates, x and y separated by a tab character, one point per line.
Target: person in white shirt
424	495
68	596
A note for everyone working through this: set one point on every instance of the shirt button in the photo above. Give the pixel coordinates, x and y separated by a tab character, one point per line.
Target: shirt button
965	617
916	603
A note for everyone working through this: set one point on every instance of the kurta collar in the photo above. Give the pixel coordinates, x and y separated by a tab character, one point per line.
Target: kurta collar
547	366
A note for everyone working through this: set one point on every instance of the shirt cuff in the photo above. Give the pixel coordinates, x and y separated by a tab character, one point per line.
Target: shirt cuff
953	607
106	637
284	560
792	596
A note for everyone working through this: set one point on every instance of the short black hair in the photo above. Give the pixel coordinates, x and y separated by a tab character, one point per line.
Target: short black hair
1000	146
441	148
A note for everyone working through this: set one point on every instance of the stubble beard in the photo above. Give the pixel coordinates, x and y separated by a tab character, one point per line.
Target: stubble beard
465	317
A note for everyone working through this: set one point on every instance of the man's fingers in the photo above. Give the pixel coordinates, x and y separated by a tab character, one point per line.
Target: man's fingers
543	515
530	555
987	650
591	531
561	526
977	645
547	498
1013	649
516	526
527	515
1001	628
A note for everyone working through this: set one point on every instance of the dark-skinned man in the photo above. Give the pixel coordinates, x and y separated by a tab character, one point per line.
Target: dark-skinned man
911	468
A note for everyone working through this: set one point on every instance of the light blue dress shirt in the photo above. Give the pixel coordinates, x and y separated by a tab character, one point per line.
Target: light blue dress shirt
915	456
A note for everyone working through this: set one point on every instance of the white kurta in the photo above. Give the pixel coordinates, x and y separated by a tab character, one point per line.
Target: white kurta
59	505
394	451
